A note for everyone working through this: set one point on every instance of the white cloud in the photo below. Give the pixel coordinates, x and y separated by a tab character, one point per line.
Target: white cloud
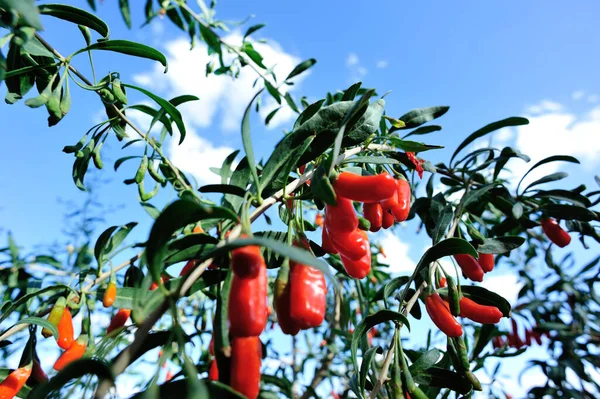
381	64
593	98
220	96
544	106
352	60
357	70
554	130
578	95
396	254
507	286
197	155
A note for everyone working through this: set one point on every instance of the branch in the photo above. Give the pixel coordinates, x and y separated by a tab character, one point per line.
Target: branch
121	115
195	274
102	277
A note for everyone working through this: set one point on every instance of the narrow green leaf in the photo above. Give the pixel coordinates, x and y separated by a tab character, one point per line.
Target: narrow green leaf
500	245
547	179
303	66
129	48
253	29
367	323
423	130
508	122
223	188
77	16
247	140
367	361
125	12
168	107
419	116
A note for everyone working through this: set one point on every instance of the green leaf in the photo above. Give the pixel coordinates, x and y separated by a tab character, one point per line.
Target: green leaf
474	195
38	321
517	210
26	9
351	92
565	195
444	378
500	245
508	122
73	370
368	322
225	171
247	140
505	155
125	12
321	186
14	305
211	39
423	130
273	91
554	158
150	209
419	116
108	242
223	188
378	160
390	287
168	107
367	361
486	297
253	29
77	16
290	102
271	115
413	146
443	222
569	212
308	113
303	66
178	214
129	48
547	179
483	338
326	124
425	361
254	55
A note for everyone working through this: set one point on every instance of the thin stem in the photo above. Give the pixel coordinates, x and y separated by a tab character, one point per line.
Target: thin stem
121	115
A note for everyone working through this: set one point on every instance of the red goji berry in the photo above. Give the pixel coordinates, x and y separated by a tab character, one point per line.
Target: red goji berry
486	261
353	245
75	352
374	214
364	188
439	313
118	320
326	243
247	261
555	233
479	313
308	296
247	309
65	330
470	267
341	218
357	268
246	357
12	384
109	295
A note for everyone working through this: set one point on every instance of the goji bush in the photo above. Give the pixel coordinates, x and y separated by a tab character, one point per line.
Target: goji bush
344	163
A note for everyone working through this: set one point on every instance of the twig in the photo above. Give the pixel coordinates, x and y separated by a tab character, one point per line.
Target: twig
121	115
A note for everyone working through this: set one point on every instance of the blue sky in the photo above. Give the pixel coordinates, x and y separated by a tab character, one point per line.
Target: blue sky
487	60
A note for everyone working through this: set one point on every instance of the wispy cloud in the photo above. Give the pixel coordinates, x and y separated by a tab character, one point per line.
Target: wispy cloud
381	64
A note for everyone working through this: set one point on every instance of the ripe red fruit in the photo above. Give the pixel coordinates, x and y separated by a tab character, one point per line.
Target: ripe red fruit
555	233
388	220
246	356
213	371
440	315
65	330
247	309
357	268
470	267
308	296
353	245
13	383
109	295
118	320
341	218
486	261
191	264
374	214
364	188
75	352
479	313
402	208
326	243
247	261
